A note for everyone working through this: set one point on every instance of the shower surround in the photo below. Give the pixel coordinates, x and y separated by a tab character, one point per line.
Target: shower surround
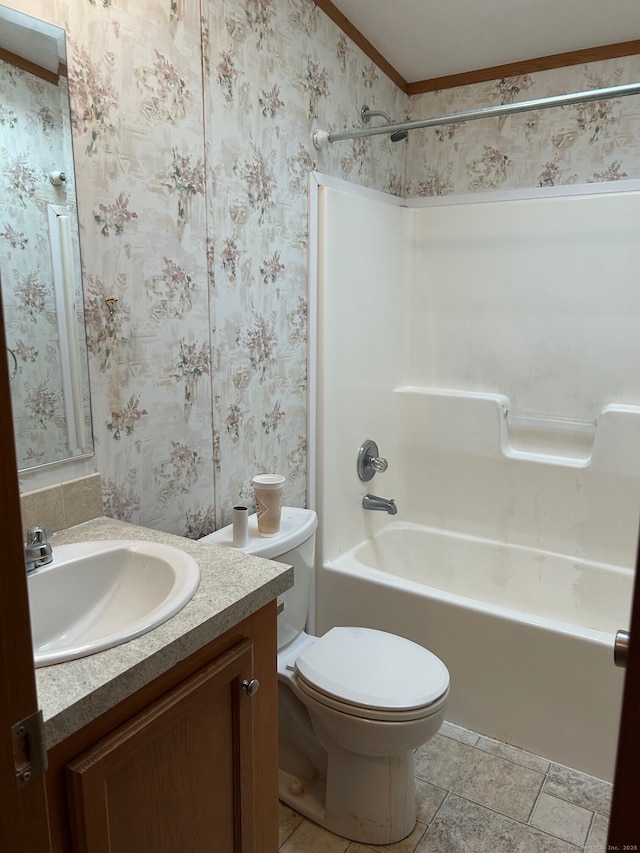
489	351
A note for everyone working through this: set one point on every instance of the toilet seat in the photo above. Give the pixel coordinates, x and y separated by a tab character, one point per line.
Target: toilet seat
368	673
363	712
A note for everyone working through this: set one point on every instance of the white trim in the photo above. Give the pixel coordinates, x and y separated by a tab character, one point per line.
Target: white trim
63	281
564	191
318	179
313	199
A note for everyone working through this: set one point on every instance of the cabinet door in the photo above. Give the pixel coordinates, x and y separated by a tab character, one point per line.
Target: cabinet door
178	777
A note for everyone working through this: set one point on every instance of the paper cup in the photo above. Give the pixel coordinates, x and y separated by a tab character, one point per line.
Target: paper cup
268	492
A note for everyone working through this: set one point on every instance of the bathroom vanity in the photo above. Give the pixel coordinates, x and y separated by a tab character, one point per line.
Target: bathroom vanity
167	743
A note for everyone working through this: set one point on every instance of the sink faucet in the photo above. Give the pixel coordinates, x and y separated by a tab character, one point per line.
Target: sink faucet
382	504
38	552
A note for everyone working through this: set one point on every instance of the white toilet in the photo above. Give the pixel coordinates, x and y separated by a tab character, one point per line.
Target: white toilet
353	704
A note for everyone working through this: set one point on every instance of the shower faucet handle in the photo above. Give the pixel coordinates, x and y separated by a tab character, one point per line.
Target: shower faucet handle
369	461
378	463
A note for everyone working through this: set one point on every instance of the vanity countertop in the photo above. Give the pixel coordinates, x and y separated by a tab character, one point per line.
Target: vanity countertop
233	585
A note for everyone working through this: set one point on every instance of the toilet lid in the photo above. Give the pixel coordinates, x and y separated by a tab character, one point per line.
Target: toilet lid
373	669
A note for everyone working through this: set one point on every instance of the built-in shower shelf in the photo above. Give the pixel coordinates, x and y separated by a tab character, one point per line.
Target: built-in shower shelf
486	424
532	421
557	440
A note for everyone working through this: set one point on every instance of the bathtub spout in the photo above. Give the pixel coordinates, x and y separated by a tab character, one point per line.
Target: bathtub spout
382	504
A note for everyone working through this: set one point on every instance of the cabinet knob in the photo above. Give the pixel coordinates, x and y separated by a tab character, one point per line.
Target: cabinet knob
250	686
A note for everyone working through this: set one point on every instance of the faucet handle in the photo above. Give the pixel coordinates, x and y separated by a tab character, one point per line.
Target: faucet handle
38	551
369	462
38	535
378	463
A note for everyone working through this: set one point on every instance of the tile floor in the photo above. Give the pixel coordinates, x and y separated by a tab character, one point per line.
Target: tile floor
476	795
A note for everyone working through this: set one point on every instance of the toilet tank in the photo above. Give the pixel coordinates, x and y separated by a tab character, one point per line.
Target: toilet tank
294	545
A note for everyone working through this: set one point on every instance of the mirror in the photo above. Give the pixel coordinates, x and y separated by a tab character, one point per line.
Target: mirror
40	270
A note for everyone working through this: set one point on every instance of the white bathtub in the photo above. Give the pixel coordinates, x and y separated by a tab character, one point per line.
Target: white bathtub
527	635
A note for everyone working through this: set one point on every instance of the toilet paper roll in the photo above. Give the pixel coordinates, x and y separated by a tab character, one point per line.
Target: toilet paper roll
240	526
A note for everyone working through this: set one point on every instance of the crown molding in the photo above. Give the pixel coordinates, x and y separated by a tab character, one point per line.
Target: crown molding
26	65
527	66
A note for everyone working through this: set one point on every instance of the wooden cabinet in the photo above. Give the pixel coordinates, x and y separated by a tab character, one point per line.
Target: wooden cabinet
193	769
175	777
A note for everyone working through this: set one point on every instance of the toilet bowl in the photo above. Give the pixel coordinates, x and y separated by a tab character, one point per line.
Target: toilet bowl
353	704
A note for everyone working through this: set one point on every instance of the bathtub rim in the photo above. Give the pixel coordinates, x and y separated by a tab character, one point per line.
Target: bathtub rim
347	563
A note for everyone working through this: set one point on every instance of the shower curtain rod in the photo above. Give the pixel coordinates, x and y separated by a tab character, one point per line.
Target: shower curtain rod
321	138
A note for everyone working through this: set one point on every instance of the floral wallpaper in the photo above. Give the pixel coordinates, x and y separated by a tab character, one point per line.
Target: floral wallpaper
33	130
584	143
138	132
194	235
274	71
192	131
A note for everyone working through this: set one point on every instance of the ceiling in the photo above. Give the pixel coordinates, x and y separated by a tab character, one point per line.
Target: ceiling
426	39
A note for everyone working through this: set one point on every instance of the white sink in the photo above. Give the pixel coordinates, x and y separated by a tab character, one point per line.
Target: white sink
95	595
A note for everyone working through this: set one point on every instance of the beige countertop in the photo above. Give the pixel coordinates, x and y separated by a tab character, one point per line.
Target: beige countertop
233	585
